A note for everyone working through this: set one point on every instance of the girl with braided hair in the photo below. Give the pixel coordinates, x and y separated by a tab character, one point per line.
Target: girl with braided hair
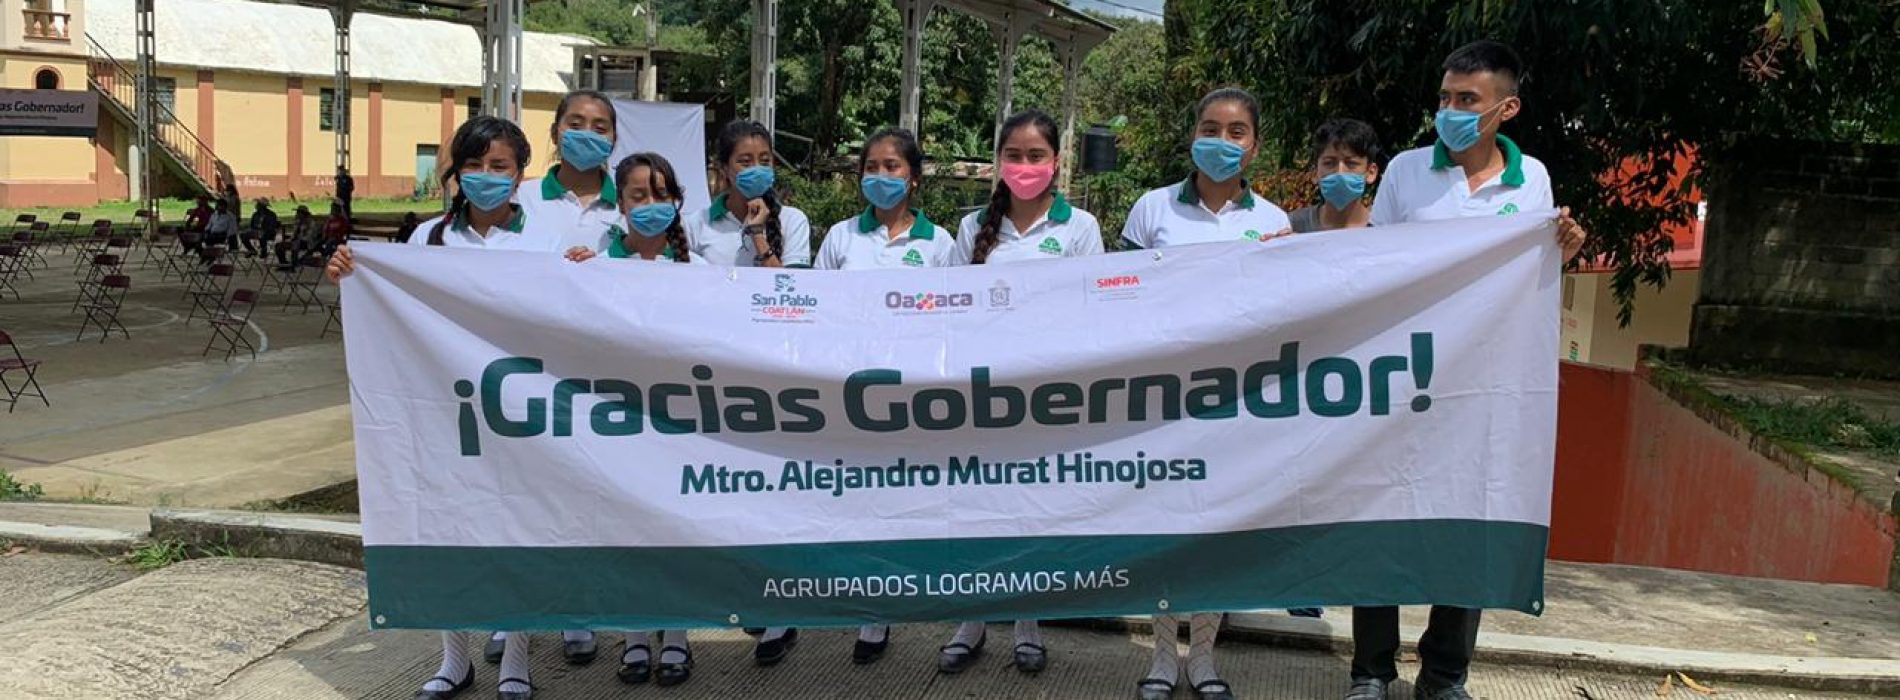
747	226
486	158
650	197
1027	219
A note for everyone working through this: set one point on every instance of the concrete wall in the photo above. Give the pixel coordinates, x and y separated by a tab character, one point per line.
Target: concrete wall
1644	479
1592	335
1803	259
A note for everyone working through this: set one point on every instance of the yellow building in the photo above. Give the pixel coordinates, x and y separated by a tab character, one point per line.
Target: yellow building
250	84
1593	335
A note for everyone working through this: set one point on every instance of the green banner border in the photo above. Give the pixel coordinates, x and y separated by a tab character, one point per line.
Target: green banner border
1468	563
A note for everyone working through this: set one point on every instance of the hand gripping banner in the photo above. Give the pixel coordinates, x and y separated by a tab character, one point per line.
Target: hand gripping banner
1362	417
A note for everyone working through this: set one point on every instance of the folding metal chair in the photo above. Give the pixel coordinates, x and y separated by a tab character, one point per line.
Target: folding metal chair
93	243
104	313
23	242
209	296
67	230
19	363
12	263
103	265
303	285
229	326
336	318
21	222
35	237
160	248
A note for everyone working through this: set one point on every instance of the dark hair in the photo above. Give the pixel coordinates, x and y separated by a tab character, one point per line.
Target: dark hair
1350	135
1231	94
1000	199
736	132
1487	56
657	167
471	142
907	146
560	111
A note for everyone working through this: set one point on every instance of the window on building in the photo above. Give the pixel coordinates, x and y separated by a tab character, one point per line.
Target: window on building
326	109
46	79
165	92
474	107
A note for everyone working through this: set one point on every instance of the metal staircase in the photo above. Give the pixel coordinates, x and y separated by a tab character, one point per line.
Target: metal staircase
188	157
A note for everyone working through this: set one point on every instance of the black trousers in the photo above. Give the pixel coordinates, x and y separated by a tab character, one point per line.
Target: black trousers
1444	652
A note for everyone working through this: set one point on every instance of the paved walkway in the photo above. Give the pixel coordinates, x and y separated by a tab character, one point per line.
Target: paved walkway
147	420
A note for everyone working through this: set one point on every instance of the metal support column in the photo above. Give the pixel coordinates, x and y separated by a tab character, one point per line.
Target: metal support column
1009	37
765	63
1071	52
916	14
147	98
340	106
501	60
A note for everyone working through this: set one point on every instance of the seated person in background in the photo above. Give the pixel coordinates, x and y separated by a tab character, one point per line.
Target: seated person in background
263	229
298	240
222	226
408	228
336	230
199	216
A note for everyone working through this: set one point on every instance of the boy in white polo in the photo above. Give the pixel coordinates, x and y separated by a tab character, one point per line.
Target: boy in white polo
1471	171
1064	231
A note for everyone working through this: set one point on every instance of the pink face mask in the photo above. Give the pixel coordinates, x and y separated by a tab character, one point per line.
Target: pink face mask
1028	181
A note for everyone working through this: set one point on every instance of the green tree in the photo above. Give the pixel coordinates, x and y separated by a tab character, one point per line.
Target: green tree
1651	86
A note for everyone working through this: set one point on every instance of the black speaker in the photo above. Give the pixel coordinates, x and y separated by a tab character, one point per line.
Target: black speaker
1098	150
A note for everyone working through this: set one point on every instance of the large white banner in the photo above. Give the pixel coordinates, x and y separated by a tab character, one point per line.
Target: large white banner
1361	417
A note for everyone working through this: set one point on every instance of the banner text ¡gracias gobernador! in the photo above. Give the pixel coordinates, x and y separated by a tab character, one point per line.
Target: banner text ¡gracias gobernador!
874	400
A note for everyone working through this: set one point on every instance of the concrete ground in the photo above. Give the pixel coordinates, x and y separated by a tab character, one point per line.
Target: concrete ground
148	420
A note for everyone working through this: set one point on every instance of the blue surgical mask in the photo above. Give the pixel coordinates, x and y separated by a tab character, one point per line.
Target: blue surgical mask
755	181
1342	189
883	191
487	191
1459	129
651	220
584	149
1218	159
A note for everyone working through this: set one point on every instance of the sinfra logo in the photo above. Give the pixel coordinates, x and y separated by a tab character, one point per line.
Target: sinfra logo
928	301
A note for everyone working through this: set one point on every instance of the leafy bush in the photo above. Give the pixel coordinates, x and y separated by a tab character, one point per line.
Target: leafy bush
13	490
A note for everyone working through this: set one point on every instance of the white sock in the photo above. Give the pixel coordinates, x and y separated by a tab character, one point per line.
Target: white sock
873	633
1028	632
1202	628
1167	663
637	649
576	635
772	633
514	663
673	638
498	635
454	661
967	634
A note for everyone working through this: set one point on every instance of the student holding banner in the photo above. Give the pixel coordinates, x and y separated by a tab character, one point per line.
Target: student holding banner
747	226
1471	171
577	193
488	154
891	232
1027	219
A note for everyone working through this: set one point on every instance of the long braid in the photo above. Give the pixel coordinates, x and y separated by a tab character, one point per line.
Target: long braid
992	228
459	207
774	235
676	240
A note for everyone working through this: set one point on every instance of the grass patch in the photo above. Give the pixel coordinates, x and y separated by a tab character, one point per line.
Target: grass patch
158	554
1831	422
172	211
13	490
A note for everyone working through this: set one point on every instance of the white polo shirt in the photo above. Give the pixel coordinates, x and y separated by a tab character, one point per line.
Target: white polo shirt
516	234
1425	184
719	236
1063	231
861	243
1174	215
616	247
550	204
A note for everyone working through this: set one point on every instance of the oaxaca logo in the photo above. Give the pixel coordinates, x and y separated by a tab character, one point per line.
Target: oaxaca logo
784	303
928	301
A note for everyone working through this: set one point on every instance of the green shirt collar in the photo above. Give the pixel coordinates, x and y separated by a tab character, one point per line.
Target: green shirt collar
515	223
1513	160
718	209
551	187
1060	212
1189	195
922	230
617	247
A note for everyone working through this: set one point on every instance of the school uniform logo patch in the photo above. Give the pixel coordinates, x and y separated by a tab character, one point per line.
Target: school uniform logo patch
1251	235
1050	246
914	258
1508	209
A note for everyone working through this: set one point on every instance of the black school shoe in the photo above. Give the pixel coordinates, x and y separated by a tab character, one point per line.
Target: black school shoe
580	652
454	687
491	652
639	671
957	657
770	652
1031	658
671	674
515	695
863	652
